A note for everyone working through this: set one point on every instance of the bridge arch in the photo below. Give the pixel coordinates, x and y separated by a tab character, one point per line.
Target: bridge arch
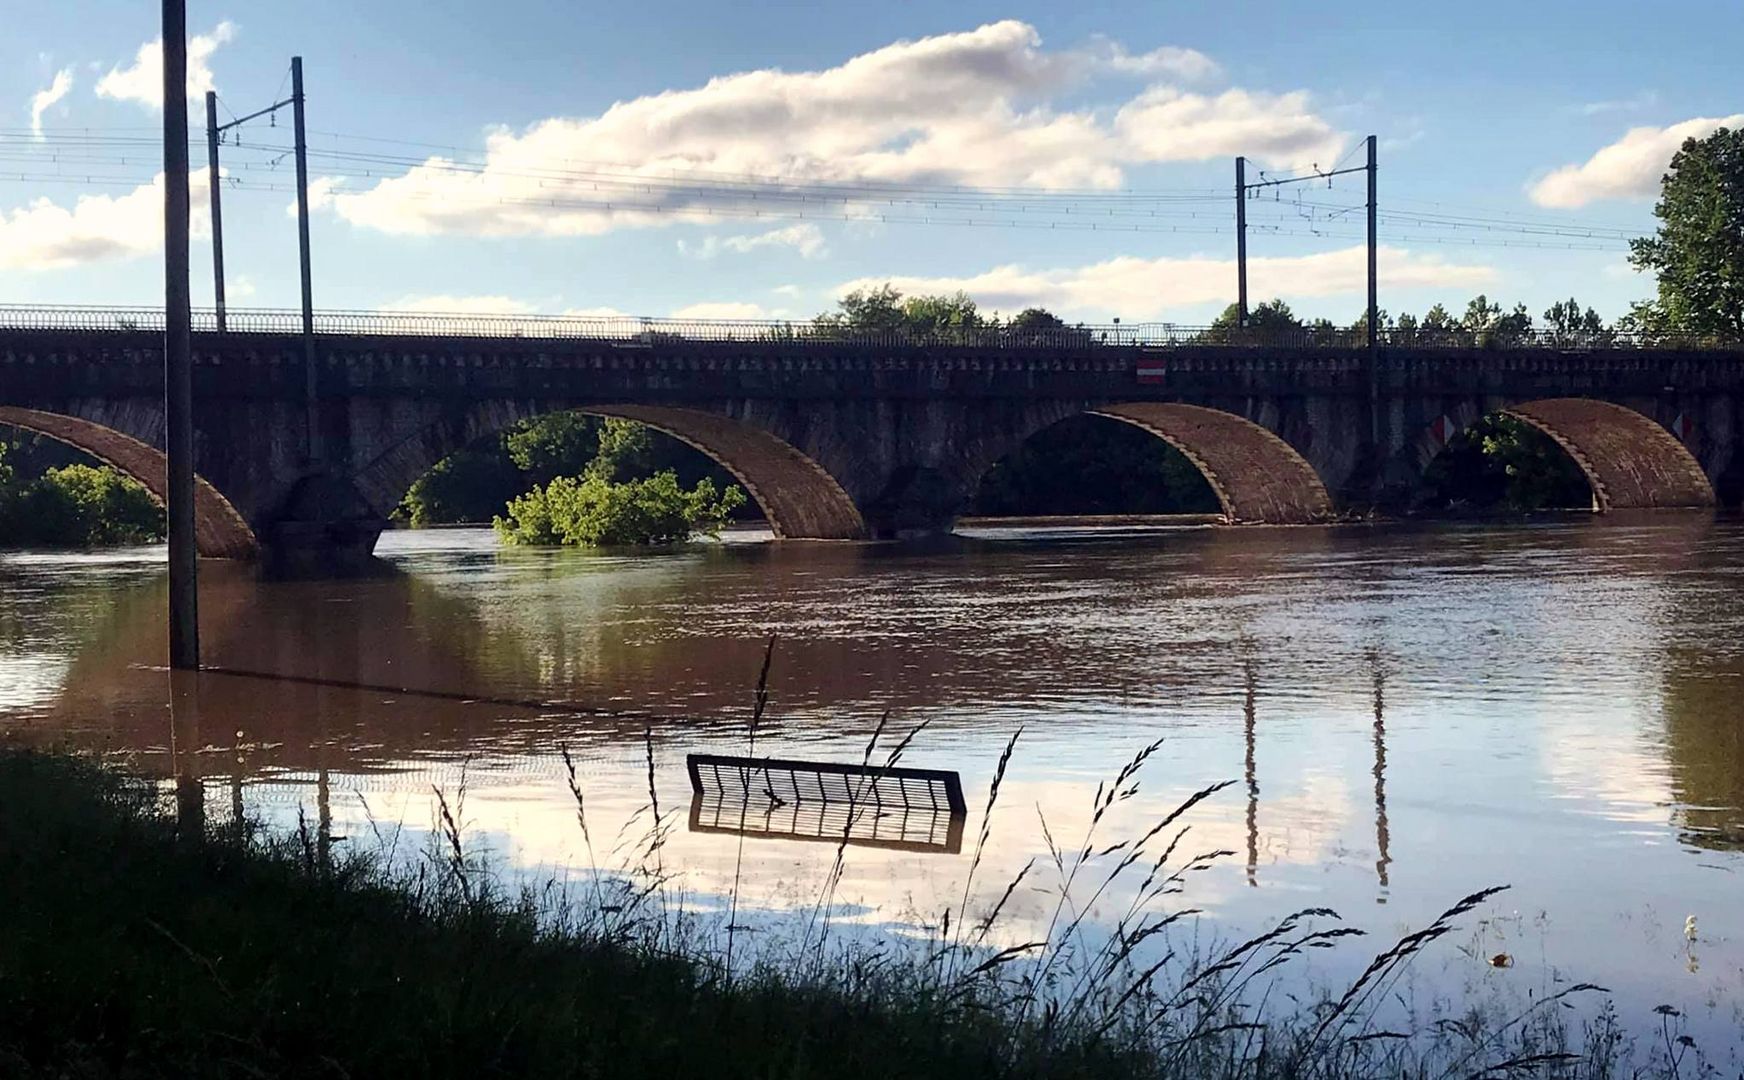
1258	478
220	532
1630	461
800	499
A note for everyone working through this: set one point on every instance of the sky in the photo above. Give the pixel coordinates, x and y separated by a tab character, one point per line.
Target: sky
757	161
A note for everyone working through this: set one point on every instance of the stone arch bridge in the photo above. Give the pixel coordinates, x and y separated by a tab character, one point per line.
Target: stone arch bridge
852	439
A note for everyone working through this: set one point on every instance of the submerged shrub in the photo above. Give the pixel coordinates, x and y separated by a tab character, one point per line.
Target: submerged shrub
594	511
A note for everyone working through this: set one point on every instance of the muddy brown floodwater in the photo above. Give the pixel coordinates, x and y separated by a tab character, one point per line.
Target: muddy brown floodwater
1409	713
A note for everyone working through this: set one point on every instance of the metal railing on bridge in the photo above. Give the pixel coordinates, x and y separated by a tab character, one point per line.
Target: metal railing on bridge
633	331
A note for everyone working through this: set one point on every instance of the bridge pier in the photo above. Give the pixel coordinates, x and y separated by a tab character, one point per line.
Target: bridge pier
323	528
317	549
917	501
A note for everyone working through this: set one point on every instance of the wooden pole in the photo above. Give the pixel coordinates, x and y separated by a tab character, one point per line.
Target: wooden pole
178	346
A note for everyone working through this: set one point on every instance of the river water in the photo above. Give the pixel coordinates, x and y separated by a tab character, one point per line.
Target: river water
1408	714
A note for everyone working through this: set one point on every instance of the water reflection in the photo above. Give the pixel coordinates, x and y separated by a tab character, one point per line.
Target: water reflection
898	828
1552	707
1382	857
1248	714
1704	746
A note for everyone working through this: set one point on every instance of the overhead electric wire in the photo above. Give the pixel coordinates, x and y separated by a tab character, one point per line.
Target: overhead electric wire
104	156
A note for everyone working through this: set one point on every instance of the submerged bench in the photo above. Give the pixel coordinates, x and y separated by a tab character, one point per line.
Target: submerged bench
869	805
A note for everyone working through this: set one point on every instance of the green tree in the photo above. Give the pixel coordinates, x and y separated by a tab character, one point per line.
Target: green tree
1040	326
624	448
473	484
1360	328
79	506
885	310
1035	320
1093	465
1698	250
596	512
1487	324
556	444
1267	315
868	309
940	316
1573	326
1504	463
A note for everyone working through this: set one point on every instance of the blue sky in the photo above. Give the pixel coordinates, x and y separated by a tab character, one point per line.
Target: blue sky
1518	124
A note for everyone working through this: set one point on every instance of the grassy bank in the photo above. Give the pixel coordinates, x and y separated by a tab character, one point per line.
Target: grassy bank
130	948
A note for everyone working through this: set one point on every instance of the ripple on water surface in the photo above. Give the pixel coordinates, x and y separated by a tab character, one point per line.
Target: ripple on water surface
1408	713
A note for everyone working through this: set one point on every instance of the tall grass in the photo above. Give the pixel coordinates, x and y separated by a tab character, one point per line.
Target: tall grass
126	950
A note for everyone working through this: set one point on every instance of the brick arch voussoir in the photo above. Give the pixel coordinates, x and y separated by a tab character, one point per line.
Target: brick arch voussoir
798	496
1257	476
220	532
1631	461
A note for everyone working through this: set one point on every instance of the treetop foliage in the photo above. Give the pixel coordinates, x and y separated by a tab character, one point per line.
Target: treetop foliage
1698	251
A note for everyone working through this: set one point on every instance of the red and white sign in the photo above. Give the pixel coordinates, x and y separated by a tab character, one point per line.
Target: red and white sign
1151	371
1442	430
1683	427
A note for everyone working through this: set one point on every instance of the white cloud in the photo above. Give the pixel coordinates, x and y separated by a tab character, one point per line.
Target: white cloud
43	100
515	308
977	108
722	309
143	81
1169	61
449	304
44	235
1136	288
1644	100
594	313
1629	168
321	189
1168	124
805	238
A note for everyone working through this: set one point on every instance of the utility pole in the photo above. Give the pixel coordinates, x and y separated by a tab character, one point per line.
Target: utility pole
309	371
1374	355
1242	187
178	346
1374	285
217	213
1241	241
214	136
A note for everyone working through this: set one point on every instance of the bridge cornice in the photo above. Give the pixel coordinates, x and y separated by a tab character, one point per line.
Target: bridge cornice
369	364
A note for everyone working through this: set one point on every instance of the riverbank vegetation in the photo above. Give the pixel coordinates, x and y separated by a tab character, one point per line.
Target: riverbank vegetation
73	505
141	942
